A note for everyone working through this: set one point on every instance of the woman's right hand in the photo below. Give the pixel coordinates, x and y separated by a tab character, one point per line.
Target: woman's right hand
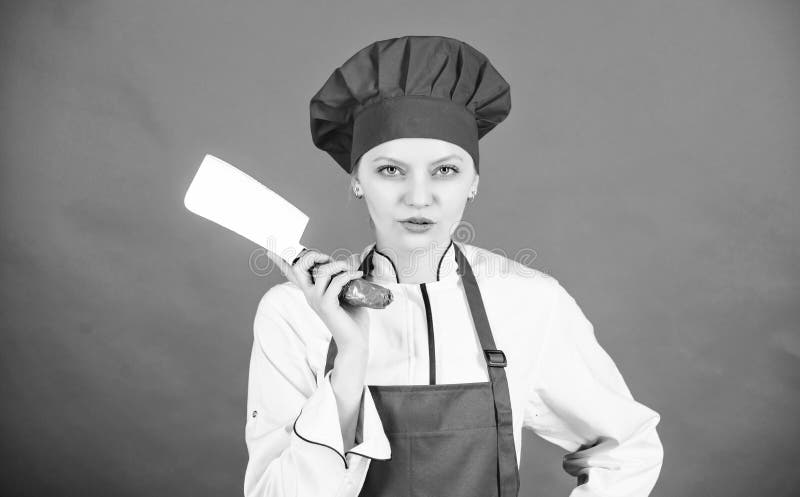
349	325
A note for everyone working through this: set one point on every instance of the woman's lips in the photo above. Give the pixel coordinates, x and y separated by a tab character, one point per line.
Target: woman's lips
417	220
417	227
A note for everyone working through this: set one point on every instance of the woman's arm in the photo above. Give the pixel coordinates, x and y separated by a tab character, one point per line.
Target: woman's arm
294	428
579	401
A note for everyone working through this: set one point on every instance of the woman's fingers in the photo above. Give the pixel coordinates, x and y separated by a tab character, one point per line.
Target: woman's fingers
337	283
324	273
306	261
298	273
316	273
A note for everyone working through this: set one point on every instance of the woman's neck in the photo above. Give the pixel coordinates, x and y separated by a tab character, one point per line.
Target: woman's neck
418	265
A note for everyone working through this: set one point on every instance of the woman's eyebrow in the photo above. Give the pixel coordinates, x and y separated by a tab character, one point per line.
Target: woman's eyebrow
451	156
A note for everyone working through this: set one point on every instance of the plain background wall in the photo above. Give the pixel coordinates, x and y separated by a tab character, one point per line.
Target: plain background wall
650	160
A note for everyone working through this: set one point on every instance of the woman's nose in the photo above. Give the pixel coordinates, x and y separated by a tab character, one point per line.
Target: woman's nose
420	193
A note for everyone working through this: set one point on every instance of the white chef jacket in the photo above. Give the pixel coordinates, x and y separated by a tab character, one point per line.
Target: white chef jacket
562	383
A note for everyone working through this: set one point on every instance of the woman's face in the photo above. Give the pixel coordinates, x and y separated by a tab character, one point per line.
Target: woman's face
415	177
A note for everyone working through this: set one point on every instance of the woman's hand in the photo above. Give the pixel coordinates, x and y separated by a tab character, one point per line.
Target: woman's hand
349	325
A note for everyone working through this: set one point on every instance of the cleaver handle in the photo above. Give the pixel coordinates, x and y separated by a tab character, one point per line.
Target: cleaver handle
361	293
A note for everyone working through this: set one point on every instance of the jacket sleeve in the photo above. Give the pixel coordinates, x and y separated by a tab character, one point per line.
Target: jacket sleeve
579	401
292	429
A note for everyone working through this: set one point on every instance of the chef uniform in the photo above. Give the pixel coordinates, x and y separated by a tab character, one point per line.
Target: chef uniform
457	366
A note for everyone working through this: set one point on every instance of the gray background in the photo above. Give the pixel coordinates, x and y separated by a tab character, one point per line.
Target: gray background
649	160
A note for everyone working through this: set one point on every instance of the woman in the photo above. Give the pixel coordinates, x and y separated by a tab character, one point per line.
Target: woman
429	395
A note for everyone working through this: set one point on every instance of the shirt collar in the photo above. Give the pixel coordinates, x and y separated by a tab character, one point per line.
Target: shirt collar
382	269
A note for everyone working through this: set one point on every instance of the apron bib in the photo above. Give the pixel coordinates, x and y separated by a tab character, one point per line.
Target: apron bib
447	439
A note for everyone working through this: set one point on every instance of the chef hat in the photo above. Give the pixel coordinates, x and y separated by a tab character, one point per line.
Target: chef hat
408	87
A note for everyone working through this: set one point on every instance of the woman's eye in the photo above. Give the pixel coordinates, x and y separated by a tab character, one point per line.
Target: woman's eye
453	170
390	169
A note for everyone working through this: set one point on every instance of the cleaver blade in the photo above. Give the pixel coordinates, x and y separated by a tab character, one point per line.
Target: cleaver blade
231	198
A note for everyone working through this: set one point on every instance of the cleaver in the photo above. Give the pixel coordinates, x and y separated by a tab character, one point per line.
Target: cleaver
231	198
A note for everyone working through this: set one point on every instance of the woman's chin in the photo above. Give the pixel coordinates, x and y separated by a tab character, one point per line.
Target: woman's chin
417	239
423	239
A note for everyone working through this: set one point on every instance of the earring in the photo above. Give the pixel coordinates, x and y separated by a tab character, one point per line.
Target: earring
472	195
357	191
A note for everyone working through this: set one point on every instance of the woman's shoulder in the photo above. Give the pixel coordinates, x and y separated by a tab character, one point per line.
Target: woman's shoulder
283	307
284	302
515	268
513	278
281	297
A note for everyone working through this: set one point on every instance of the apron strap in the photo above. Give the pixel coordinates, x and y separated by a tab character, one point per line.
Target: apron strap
508	473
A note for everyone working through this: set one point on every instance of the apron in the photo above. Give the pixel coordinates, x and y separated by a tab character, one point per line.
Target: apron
446	439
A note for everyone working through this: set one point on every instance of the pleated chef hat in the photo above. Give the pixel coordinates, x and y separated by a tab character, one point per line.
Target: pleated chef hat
408	87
